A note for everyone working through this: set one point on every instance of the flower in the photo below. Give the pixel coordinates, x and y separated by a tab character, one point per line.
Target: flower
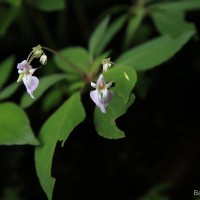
25	74
43	59
101	96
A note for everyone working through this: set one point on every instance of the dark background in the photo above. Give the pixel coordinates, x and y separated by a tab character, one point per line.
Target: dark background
162	129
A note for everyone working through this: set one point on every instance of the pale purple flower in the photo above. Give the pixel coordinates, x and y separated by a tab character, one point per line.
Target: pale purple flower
101	96
25	74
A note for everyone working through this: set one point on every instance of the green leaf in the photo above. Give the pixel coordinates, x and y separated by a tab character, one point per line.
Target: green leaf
45	83
5	69
74	87
56	128
7	16
124	79
123	84
8	91
105	122
132	26
97	36
111	31
154	52
77	60
171	22
15	126
52	99
49	5
177	5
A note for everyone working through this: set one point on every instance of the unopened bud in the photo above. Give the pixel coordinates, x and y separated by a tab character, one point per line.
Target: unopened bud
37	51
43	59
106	64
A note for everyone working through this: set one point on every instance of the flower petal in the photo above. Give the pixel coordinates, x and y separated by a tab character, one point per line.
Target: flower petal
20	71
101	80
95	96
31	83
108	85
107	96
32	70
23	65
94	85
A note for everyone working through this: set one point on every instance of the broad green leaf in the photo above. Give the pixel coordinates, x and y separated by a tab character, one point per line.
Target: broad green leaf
124	79
154	52
52	99
76	61
8	91
177	5
74	87
7	16
145	31
15	126
57	128
105	122
97	36
111	31
171	22
123	84
49	5
132	26
5	69
45	83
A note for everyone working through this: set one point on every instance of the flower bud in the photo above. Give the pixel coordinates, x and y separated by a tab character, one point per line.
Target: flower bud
37	51
43	59
106	64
